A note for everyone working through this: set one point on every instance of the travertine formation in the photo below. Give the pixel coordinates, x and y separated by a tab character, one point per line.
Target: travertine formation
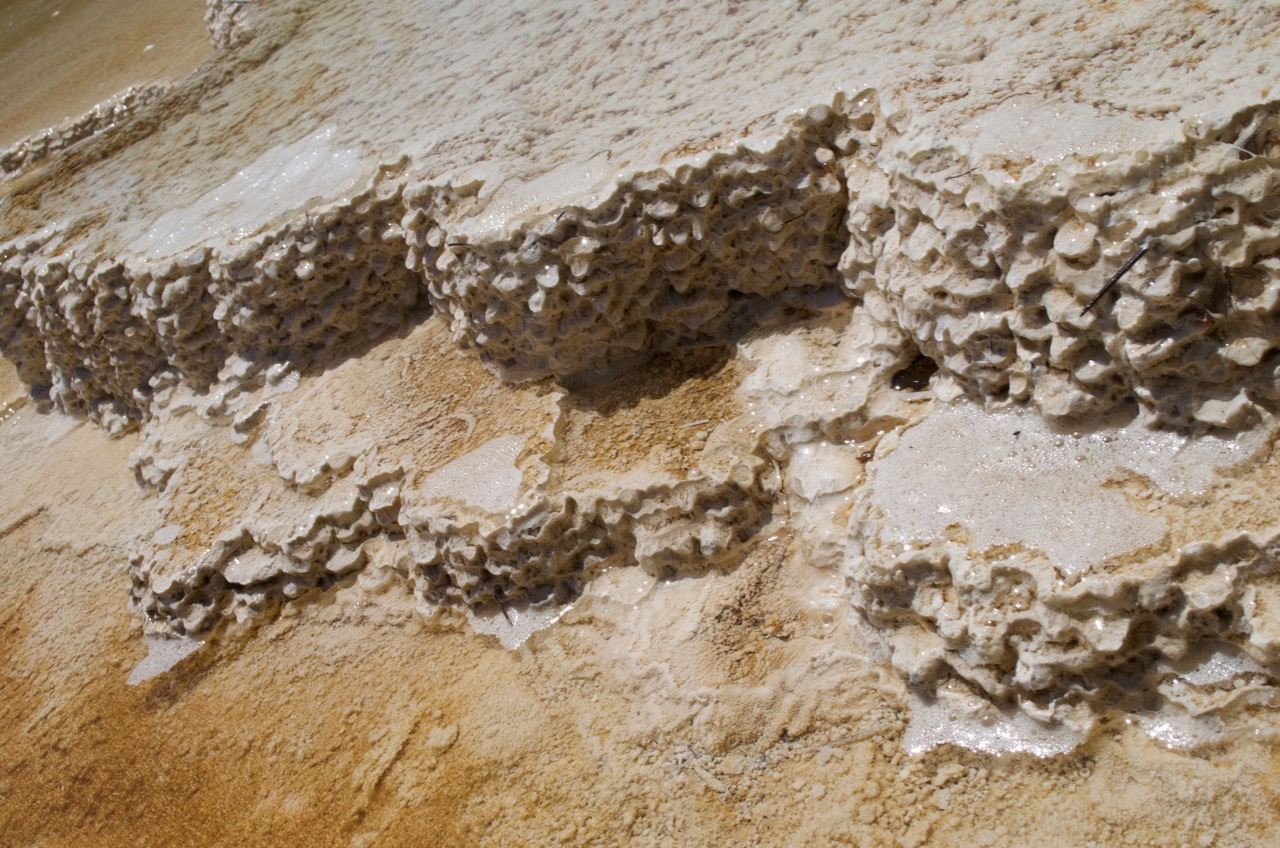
1052	569
838	255
669	256
986	274
103	117
100	339
988	265
503	521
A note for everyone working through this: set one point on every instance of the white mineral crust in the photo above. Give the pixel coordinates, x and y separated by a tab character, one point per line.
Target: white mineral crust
1033	523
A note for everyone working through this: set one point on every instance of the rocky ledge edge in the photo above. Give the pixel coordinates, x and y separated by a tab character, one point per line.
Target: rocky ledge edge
1006	276
985	266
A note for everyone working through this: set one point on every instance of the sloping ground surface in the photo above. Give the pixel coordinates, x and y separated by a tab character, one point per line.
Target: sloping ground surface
878	452
60	60
733	708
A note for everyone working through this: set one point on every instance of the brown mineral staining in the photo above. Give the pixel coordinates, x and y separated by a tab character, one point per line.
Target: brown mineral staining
717	715
621	358
654	418
208	493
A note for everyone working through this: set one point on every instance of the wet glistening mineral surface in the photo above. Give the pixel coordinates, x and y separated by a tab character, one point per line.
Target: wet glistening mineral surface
612	424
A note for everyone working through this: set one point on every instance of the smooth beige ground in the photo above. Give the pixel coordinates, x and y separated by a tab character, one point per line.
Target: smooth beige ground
60	58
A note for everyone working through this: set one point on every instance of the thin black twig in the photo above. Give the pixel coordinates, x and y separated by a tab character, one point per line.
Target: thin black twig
844	740
1115	278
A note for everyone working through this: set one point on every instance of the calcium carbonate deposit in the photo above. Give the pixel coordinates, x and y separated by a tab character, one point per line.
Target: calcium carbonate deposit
975	304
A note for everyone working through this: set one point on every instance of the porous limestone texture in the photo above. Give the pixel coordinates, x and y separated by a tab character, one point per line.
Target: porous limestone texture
706	310
669	256
101	330
478	505
1054	569
723	708
985	205
1023	578
988	264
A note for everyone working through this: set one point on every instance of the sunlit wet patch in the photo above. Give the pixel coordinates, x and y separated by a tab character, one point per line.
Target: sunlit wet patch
163	653
9	410
954	717
515	199
1180	731
513	625
1027	579
485	478
1009	478
283	180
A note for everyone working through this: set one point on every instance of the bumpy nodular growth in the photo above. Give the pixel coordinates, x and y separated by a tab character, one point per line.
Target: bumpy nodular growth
968	253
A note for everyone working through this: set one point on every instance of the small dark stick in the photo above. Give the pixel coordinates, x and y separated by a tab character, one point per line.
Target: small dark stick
1115	278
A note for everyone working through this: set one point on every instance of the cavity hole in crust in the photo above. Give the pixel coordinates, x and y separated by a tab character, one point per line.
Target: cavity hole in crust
915	377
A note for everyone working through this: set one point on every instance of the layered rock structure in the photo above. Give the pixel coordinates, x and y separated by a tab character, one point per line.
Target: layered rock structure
828	257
